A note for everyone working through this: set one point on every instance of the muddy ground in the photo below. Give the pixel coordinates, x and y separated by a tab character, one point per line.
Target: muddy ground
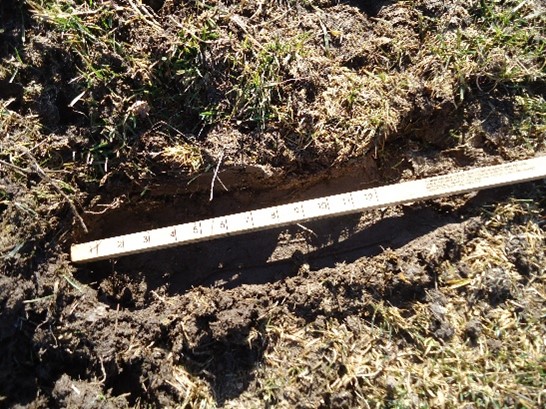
114	116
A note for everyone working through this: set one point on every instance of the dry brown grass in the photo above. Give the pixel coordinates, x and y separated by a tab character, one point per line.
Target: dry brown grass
394	357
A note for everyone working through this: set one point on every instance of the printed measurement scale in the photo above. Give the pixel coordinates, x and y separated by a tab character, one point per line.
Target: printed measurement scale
335	205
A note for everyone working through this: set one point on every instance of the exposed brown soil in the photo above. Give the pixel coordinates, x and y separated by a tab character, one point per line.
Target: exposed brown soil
203	324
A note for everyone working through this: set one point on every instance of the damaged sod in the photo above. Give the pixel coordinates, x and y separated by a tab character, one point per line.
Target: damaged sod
115	115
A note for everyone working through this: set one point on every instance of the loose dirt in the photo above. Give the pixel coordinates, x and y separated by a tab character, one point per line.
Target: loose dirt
430	304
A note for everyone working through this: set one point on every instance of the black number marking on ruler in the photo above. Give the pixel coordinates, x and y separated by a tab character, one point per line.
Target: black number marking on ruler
249	219
299	210
324	204
357	201
349	201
